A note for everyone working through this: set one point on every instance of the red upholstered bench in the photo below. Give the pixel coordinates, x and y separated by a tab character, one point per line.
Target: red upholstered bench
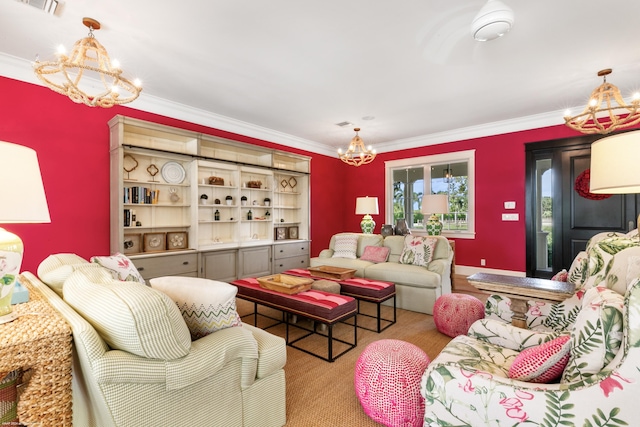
374	291
322	307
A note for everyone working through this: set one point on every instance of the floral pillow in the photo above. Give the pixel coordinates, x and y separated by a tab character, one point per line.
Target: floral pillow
345	246
543	363
561	276
375	254
597	334
418	250
120	266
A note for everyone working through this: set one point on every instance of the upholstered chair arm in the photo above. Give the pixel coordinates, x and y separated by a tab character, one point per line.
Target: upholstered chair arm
326	253
207	356
508	336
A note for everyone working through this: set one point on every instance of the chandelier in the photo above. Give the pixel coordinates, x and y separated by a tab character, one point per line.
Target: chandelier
606	111
88	59
357	154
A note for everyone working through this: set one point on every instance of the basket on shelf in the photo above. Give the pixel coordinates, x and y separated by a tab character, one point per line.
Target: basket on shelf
254	184
216	180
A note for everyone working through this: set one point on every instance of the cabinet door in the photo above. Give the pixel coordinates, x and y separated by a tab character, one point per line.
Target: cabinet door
220	265
254	262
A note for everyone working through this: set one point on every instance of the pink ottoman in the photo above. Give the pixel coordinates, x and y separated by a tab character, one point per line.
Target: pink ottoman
387	382
454	313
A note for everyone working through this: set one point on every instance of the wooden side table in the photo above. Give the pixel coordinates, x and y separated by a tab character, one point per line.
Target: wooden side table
521	290
39	340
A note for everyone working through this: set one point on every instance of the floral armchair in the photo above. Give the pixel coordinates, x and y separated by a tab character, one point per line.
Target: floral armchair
471	382
589	268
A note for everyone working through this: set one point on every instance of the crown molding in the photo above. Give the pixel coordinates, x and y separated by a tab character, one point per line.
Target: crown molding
20	69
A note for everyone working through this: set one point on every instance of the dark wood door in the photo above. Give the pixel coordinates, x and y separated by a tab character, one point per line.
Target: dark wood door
575	219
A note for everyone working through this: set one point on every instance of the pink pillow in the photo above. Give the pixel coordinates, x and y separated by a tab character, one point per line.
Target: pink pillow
561	276
543	363
375	254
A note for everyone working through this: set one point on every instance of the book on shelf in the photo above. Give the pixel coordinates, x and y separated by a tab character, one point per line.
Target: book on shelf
141	195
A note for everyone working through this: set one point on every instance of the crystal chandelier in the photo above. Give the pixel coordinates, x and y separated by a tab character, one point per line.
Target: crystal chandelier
606	111
357	154
89	60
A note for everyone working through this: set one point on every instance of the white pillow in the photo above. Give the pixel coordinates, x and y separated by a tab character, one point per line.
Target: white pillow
120	266
129	316
206	305
345	246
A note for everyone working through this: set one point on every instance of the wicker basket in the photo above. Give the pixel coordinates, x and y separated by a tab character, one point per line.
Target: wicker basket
216	180
285	283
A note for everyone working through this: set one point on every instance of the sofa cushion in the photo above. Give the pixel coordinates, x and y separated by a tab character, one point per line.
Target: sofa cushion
405	274
597	334
345	246
206	305
56	268
418	250
129	316
542	363
120	266
375	254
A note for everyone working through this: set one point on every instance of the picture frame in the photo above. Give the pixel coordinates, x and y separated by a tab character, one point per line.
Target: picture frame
292	232
177	240
132	243
154	242
280	233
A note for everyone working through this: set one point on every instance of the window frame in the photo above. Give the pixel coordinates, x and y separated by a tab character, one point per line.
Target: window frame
427	162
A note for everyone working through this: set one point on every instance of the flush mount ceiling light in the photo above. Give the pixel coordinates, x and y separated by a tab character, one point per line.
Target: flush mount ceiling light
494	20
606	110
87	75
357	154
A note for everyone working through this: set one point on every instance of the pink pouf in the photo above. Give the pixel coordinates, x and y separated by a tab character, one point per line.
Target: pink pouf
387	382
454	313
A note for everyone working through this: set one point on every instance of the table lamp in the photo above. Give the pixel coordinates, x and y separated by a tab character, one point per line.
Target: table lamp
435	204
23	201
367	206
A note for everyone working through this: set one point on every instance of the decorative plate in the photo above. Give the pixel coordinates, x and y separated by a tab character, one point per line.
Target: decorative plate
173	172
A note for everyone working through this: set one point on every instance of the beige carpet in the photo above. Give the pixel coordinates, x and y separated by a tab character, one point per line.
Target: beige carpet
321	394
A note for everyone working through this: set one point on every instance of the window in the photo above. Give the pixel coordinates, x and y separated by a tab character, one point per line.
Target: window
407	180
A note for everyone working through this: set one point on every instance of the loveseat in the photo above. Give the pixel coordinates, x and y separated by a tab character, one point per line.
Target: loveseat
417	286
136	364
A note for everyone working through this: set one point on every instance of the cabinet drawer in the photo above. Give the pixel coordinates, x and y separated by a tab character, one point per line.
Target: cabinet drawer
167	265
286	250
280	265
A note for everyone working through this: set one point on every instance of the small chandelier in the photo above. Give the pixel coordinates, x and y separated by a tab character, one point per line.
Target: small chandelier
88	58
357	154
606	110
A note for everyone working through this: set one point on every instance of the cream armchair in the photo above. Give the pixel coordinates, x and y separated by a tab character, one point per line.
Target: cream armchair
135	363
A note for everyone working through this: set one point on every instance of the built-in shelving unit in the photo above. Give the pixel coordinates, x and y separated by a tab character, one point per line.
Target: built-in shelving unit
175	191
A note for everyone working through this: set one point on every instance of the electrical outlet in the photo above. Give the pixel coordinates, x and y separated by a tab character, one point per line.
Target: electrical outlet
510	217
509	205
483	262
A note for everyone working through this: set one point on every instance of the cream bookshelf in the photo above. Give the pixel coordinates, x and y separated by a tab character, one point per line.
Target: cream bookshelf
186	178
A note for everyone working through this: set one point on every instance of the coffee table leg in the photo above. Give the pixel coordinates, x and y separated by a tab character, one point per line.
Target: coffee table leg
519	308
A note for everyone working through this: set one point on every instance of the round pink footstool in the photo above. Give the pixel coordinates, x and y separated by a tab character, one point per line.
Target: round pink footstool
387	382
454	313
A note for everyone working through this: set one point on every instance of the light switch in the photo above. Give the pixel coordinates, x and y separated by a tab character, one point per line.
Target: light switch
509	205
510	217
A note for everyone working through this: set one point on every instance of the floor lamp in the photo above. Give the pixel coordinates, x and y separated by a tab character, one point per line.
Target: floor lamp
23	201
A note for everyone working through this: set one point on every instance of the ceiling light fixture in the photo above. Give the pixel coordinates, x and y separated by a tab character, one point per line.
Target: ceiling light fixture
606	110
494	20
89	59
357	154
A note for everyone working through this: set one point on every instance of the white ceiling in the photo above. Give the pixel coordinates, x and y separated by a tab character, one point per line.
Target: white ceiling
288	71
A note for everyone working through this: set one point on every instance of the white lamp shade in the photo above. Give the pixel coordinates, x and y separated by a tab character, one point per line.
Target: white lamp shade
21	188
615	164
367	206
435	203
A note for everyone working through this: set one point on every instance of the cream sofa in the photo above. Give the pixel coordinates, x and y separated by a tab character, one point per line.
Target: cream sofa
231	377
417	287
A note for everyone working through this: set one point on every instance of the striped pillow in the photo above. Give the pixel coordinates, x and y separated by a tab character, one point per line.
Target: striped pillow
129	316
345	246
206	305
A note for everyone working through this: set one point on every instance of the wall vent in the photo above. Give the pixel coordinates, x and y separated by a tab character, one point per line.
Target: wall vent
343	124
49	6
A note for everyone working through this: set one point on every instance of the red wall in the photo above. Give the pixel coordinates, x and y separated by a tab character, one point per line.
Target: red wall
72	142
